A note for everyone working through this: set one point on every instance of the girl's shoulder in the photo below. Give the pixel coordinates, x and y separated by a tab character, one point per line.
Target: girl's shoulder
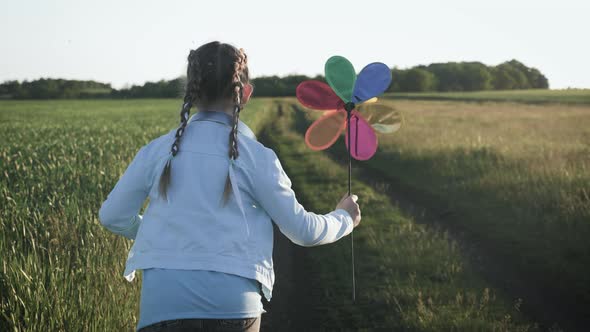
159	147
266	160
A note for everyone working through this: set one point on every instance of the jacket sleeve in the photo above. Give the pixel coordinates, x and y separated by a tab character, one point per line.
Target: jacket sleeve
119	213
308	229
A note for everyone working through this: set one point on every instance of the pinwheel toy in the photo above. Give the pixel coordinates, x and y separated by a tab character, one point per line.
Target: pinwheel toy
350	102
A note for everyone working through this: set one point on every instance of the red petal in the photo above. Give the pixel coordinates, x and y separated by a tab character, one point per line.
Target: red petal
318	95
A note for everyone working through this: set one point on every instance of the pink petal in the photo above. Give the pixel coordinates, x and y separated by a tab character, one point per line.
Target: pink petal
363	139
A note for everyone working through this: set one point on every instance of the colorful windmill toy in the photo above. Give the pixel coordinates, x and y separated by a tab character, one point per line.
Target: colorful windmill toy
349	101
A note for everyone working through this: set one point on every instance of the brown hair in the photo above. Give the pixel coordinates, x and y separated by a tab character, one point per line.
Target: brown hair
216	73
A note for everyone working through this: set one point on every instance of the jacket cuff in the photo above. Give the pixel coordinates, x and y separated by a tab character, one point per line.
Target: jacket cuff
129	231
347	218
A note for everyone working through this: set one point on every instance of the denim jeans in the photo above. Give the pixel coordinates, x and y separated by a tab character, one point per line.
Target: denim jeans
205	324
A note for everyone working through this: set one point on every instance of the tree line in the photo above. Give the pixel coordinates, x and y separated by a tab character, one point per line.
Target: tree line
48	88
467	76
450	76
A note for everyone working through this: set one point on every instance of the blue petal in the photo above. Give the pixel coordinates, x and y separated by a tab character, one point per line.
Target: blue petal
372	81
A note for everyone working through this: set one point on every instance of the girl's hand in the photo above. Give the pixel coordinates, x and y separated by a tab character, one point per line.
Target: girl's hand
348	203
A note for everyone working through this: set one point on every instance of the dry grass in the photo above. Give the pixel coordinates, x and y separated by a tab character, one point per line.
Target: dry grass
518	174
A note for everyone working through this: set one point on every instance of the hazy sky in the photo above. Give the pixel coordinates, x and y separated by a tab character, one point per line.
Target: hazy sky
130	42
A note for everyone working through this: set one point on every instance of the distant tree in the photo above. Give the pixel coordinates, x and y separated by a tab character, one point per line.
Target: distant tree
417	80
291	82
448	76
510	75
267	86
320	78
537	80
521	73
475	76
396	78
10	89
534	78
274	86
502	78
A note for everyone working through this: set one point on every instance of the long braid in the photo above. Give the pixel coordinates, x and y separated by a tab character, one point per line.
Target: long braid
238	89
190	96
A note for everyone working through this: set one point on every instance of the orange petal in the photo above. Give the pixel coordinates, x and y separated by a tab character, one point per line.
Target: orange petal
325	130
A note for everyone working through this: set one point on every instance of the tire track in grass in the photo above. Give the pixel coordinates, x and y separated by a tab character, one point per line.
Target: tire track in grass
408	276
287	310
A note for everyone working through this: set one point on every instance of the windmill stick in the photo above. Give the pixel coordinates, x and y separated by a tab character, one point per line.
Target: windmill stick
348	111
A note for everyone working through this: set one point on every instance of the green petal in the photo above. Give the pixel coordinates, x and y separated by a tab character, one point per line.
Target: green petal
341	76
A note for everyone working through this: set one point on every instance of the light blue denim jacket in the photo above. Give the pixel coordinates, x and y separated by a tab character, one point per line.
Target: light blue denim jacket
193	229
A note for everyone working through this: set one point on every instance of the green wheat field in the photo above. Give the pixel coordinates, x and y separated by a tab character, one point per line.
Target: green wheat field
505	183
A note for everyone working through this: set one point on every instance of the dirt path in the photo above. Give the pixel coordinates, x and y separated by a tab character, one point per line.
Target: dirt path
285	308
288	309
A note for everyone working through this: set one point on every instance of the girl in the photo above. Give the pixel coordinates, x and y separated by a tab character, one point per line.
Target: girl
205	242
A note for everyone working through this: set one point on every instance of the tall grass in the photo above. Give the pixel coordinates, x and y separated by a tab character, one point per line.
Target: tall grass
515	177
60	269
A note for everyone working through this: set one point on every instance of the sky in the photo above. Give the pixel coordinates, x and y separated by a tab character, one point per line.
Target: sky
127	42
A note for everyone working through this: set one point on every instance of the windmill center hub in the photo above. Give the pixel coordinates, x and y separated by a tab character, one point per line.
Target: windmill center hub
349	106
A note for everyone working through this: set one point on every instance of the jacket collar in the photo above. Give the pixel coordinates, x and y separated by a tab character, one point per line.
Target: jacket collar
223	118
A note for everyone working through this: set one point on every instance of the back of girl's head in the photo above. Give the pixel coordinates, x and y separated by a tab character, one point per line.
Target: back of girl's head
214	71
216	74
